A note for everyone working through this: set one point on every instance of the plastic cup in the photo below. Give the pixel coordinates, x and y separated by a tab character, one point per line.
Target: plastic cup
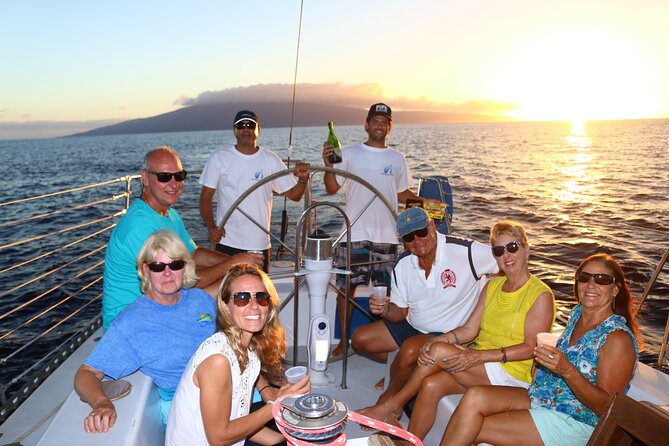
380	294
549	339
295	374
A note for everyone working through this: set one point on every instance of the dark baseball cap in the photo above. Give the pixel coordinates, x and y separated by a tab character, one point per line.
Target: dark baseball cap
246	115
380	109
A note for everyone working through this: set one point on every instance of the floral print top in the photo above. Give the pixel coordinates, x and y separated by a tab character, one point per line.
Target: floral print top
551	391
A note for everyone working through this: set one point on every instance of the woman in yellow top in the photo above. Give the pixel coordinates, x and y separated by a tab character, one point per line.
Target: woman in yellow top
494	347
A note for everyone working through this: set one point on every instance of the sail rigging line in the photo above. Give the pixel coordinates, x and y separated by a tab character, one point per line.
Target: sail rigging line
284	213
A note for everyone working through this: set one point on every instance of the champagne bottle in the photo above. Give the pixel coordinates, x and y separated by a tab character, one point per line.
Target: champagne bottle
336	145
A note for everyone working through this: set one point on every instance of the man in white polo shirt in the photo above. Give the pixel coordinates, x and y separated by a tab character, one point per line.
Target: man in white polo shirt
435	286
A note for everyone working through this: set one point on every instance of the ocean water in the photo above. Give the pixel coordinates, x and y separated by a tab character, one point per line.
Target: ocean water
597	187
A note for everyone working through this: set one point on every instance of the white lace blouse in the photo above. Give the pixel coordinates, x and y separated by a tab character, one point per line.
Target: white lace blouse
184	425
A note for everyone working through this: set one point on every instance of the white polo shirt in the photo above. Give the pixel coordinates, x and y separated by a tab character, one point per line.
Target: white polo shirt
445	299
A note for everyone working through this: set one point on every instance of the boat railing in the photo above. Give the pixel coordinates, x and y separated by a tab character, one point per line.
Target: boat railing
52	250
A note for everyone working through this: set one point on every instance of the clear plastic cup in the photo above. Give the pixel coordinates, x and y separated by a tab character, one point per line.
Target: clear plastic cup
295	374
549	339
380	294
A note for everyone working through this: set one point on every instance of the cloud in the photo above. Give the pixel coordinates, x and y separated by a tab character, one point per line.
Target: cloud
49	129
358	95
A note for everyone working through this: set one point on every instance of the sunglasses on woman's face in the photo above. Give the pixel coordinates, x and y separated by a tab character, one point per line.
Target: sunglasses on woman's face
600	279
420	233
159	267
498	251
243	298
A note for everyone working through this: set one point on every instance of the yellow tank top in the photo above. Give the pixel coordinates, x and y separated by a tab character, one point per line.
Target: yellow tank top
503	320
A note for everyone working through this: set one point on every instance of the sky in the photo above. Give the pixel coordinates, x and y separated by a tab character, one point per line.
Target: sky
75	65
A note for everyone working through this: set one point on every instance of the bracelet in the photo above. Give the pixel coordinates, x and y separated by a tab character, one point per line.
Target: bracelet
503	350
302	181
457	340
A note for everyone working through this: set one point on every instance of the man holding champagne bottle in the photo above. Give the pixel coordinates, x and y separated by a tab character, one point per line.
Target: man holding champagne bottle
374	235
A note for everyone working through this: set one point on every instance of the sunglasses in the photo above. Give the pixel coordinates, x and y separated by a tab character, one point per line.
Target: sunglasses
600	279
159	267
420	233
245	124
243	298
498	251
165	177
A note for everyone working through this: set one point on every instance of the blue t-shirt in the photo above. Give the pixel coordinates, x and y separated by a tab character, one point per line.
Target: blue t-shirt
121	283
156	339
550	390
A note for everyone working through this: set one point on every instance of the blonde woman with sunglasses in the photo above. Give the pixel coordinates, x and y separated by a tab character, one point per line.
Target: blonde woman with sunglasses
171	316
213	399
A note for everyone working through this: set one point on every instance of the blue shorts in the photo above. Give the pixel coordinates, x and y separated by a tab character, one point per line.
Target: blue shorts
558	428
401	331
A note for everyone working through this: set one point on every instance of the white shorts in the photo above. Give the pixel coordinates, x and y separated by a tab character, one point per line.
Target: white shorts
498	376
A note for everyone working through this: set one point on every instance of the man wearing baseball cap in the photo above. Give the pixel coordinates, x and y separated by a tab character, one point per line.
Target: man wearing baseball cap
373	235
435	287
231	171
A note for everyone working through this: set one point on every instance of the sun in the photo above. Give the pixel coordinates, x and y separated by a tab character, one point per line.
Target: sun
577	76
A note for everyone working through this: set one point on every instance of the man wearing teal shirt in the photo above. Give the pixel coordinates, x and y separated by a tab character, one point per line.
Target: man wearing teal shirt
163	182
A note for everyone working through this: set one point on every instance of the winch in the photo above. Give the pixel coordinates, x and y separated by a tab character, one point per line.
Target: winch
313	417
316	418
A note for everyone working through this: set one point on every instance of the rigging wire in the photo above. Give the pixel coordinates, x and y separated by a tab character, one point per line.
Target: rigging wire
284	213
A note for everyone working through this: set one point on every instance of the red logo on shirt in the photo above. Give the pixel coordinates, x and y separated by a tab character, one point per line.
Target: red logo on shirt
448	278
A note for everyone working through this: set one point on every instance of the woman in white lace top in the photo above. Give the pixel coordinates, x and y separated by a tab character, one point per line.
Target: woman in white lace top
212	401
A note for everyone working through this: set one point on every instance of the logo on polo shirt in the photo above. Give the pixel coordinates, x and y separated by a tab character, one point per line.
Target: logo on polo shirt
388	170
448	278
258	175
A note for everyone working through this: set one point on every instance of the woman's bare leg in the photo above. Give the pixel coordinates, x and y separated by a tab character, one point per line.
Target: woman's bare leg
433	389
513	428
494	414
393	403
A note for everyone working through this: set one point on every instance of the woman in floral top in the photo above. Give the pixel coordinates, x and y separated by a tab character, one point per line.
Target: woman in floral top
594	358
